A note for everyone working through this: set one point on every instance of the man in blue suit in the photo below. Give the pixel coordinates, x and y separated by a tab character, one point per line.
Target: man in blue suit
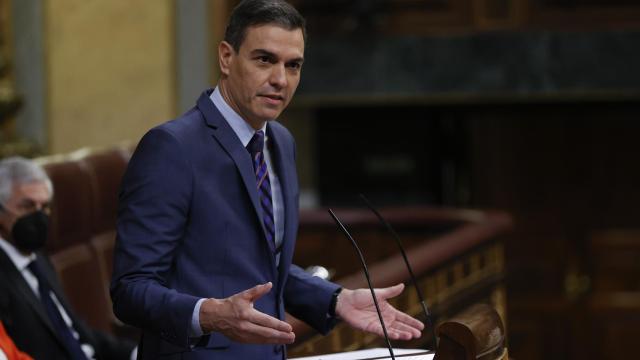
209	213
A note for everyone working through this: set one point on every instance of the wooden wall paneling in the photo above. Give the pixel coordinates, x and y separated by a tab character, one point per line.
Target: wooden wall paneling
614	324
584	14
400	17
615	260
565	173
540	327
448	16
433	17
499	14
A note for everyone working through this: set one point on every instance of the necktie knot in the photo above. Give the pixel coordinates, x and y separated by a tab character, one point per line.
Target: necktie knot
35	269
256	144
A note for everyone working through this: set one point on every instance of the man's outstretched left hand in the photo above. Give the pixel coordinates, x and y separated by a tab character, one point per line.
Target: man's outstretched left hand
357	309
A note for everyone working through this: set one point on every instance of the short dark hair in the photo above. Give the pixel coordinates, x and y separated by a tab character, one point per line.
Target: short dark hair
260	12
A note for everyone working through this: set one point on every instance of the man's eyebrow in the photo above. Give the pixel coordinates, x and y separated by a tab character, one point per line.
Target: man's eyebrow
263	52
298	60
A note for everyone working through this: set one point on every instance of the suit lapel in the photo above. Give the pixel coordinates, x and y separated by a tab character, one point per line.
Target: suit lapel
20	284
227	138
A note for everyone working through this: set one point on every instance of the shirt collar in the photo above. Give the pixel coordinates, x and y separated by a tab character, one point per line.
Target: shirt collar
20	260
243	130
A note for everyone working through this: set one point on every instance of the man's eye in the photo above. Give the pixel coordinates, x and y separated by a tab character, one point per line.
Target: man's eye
26	207
295	66
264	59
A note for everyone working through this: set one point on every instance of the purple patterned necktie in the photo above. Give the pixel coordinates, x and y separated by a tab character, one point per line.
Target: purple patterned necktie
255	147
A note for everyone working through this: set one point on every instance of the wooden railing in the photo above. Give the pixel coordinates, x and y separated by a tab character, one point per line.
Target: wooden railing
457	256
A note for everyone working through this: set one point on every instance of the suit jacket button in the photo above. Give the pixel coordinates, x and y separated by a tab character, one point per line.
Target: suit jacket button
277	349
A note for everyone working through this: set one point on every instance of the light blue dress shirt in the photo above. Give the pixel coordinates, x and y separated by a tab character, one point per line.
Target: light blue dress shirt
245	132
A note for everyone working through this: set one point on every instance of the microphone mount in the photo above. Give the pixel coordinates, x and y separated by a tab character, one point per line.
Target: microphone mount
395	236
366	274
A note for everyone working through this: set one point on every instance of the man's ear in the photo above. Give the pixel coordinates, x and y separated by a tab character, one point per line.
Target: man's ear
225	56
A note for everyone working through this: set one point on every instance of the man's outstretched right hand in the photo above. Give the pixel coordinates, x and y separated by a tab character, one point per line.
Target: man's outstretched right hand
236	318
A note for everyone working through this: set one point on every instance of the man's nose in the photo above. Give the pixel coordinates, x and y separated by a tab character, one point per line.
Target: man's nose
46	208
278	77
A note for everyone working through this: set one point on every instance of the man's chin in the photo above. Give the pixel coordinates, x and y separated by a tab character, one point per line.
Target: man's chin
270	115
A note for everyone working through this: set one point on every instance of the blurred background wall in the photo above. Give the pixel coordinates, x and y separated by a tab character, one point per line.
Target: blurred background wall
92	73
527	106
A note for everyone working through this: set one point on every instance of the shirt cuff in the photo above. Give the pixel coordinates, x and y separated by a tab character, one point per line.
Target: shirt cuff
331	313
196	331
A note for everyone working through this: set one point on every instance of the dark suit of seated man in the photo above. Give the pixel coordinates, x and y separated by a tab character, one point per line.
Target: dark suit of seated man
33	307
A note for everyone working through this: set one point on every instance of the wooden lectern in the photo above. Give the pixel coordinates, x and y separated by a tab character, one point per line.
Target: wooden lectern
477	333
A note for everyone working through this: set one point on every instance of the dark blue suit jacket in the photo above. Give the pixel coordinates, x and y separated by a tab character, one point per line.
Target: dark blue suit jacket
189	227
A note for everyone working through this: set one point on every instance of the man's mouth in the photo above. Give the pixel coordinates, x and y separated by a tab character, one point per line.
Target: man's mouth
273	98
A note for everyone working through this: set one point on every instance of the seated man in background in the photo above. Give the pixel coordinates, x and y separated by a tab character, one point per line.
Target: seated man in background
33	307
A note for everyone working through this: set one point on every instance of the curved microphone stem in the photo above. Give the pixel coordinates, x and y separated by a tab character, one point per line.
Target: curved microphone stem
366	274
386	224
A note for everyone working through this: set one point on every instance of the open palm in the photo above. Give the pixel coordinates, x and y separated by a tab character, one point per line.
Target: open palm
356	307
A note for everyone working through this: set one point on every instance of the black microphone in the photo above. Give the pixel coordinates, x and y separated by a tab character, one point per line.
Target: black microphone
366	274
429	320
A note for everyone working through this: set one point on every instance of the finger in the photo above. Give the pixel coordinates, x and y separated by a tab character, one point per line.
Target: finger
392	332
261	319
408	320
264	335
389	292
407	331
375	329
395	334
256	292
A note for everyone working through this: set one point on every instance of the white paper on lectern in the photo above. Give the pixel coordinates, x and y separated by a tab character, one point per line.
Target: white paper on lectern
371	353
